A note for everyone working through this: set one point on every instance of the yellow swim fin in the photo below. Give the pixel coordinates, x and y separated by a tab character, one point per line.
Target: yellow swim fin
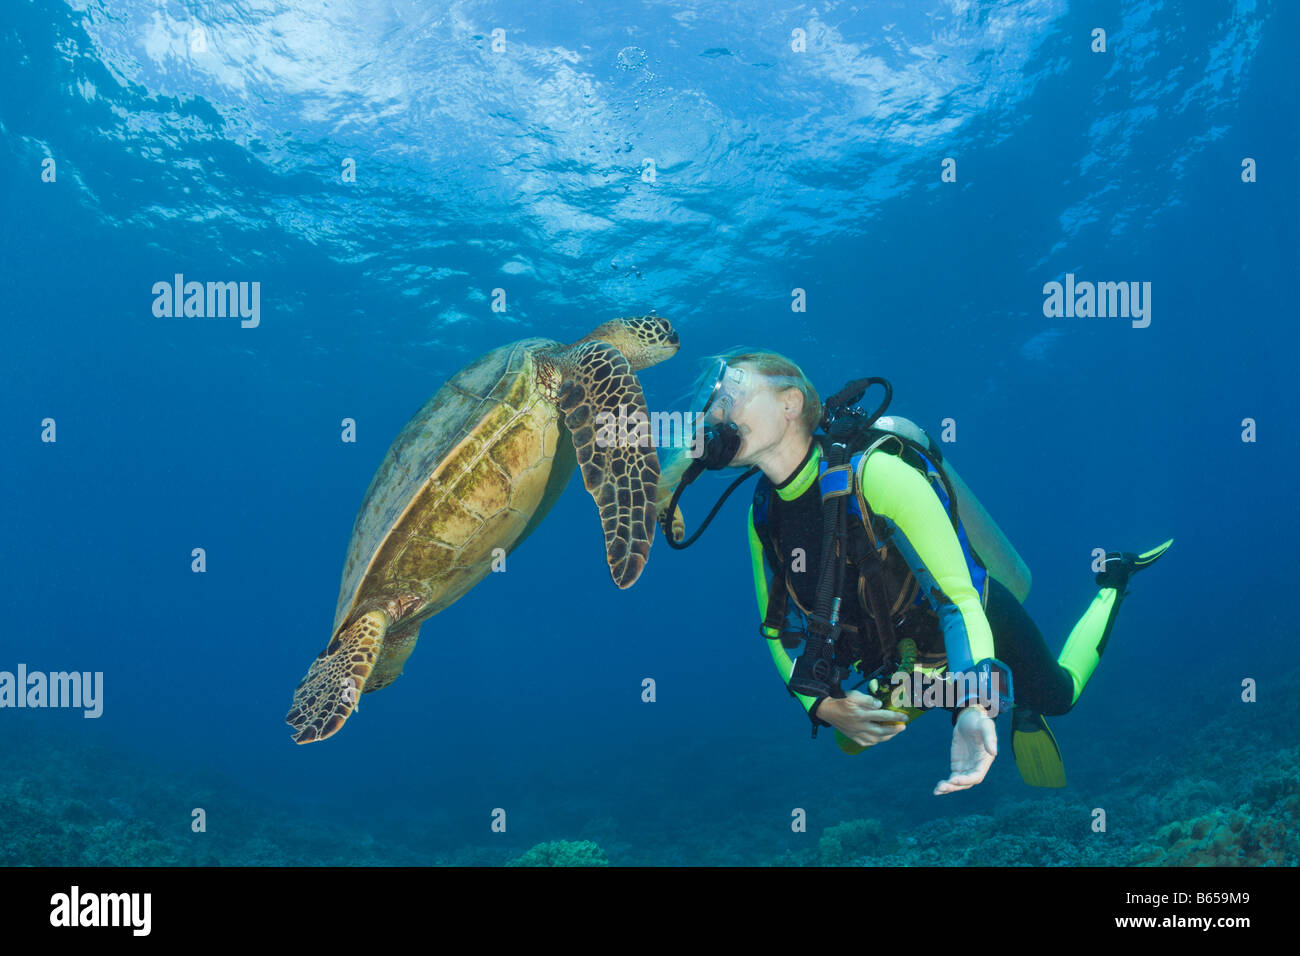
1150	557
1038	758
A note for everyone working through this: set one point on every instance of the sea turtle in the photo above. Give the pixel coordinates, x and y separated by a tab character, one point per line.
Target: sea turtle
469	478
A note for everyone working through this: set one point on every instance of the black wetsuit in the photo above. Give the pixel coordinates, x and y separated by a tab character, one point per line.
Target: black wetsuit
795	530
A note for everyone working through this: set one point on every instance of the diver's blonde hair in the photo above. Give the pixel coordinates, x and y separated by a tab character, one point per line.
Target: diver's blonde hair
780	374
783	374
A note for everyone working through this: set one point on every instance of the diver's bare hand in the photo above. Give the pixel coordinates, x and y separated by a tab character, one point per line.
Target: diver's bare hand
861	718
974	745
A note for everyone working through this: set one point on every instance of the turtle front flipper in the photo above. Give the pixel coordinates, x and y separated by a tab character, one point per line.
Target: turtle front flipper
337	677
602	403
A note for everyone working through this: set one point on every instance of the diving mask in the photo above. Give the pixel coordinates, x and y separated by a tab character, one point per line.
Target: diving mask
725	389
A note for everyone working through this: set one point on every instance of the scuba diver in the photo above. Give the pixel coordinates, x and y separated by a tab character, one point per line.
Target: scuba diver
869	550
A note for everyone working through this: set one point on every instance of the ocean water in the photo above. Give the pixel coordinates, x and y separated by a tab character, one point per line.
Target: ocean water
381	168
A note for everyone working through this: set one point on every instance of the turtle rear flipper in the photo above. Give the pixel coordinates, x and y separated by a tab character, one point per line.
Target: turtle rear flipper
678	524
337	677
600	398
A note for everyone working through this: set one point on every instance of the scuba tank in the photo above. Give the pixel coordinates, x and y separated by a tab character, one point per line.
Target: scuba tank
847	423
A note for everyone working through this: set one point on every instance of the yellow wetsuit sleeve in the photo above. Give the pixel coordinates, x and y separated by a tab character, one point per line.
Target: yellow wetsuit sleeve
898	492
784	664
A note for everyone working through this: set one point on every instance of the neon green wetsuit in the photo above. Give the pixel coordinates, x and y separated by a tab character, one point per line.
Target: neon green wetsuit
920	545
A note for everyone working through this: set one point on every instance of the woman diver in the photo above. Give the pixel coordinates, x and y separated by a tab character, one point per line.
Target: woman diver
869	550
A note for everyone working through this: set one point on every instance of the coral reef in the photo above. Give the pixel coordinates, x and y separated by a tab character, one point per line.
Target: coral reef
1264	830
563	853
1227	794
1222	838
843	842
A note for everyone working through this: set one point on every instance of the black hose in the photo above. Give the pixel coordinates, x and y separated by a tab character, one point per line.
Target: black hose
667	522
848	396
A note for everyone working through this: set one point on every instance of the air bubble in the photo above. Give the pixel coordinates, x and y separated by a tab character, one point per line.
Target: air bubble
631	58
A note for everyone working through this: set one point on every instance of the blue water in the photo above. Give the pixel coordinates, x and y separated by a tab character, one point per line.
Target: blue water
210	139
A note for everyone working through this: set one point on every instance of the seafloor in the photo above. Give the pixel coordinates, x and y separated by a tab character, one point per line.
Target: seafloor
1215	782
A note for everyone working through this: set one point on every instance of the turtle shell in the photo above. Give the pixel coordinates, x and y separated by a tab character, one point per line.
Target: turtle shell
462	478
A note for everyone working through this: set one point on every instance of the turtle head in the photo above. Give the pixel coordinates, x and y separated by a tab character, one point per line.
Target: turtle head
645	340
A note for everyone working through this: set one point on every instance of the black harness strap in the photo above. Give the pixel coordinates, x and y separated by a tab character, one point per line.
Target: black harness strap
816	673
871	569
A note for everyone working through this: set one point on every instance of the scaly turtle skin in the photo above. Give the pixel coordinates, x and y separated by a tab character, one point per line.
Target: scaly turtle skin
468	479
